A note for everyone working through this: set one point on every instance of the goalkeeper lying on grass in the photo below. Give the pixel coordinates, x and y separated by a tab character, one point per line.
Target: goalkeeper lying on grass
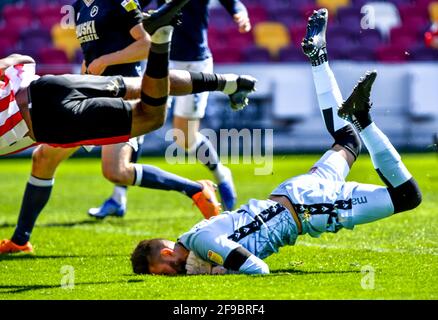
317	202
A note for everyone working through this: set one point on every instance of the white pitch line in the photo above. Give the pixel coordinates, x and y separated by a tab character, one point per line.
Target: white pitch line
431	251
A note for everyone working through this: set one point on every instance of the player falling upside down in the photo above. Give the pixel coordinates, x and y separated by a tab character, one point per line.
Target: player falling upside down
74	110
313	203
190	51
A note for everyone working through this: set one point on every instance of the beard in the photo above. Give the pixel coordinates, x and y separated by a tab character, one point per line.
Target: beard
179	267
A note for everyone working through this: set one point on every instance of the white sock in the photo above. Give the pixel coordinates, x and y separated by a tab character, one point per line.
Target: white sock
162	35
41	182
384	156
231	83
119	195
329	95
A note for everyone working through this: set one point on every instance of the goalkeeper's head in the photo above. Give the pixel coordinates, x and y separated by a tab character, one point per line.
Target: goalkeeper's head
159	256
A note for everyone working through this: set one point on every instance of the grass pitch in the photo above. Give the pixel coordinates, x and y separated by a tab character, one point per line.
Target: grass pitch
396	258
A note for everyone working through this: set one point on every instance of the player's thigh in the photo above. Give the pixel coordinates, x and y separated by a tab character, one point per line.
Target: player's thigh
368	203
46	159
192	106
332	167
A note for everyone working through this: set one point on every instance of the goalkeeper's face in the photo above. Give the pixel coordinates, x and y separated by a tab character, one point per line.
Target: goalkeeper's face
168	261
168	267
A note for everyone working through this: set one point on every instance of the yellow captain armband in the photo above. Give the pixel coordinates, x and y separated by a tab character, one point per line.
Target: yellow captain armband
215	257
129	5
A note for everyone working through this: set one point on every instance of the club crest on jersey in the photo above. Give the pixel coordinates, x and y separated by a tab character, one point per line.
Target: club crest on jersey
215	257
94	11
88	2
129	5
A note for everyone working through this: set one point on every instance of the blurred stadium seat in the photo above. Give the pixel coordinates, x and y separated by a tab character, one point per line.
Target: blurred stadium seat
32	40
14	10
271	35
258	13
404	36
332	5
53	56
401	23
291	54
255	54
349	17
433	10
65	39
392	53
17	24
7	46
422	53
386	16
369	38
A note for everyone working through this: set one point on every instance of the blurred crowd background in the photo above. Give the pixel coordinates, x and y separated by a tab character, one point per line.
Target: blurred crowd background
395	37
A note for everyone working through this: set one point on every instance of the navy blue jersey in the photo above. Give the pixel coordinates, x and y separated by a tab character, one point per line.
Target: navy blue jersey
103	27
190	41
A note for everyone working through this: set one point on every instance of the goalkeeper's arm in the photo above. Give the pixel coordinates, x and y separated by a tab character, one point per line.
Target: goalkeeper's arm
225	252
243	261
252	265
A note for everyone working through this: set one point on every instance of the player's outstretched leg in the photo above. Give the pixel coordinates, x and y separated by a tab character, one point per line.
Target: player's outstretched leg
182	82
328	93
402	187
205	152
149	113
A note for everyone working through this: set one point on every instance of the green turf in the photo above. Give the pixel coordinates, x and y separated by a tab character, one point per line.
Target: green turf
402	250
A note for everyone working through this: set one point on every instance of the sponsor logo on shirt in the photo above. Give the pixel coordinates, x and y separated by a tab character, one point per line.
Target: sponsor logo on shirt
360	200
129	5
86	31
215	257
94	11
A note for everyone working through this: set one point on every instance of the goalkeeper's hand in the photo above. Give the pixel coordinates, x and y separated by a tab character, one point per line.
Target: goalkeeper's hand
195	265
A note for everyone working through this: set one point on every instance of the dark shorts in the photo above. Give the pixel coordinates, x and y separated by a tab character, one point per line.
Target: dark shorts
74	110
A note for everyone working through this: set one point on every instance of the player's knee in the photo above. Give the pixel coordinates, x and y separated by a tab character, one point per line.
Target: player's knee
154	117
406	196
43	160
349	139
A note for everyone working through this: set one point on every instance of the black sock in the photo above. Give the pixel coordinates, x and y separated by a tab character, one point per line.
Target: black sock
155	178
157	68
35	198
202	82
158	61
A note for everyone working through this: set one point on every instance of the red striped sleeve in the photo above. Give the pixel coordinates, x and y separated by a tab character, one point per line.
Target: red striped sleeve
4	103
5	84
10	123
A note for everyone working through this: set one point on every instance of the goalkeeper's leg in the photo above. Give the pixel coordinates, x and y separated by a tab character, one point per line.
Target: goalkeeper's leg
404	193
346	141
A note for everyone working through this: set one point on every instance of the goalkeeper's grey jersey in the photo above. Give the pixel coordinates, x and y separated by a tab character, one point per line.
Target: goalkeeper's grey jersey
260	226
